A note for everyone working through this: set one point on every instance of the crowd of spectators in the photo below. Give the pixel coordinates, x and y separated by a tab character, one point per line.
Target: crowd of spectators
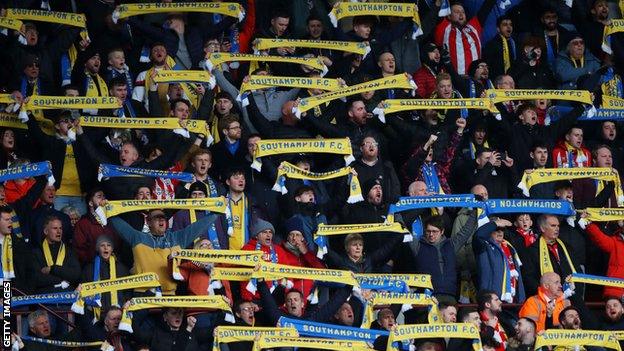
59	242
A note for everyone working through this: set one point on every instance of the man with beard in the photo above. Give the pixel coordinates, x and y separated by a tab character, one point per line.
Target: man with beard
608	135
613	316
592	26
556	36
500	52
462	36
158	58
525	336
86	74
432	65
230	151
591	193
370	166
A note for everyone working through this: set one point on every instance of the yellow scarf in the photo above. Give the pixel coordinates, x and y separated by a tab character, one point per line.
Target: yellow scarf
114	298
66	18
604	214
506	55
573	338
544	257
8	271
442	330
582	59
230	9
11	23
92	88
60	257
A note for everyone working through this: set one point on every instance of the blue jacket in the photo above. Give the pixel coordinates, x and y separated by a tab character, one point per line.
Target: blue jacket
565	72
491	262
440	260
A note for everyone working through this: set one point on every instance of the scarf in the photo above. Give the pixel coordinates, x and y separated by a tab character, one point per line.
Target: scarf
508	56
95	89
551	48
510	275
473	148
499	332
527	235
7	271
611	84
96	277
544	257
580	64
243	219
430	177
60	257
574	155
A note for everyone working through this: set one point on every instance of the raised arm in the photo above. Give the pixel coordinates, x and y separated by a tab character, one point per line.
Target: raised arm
459	239
186	236
125	231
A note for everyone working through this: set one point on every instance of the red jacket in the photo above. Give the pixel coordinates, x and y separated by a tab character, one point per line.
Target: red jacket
308	260
425	81
560	156
614	246
251	246
86	232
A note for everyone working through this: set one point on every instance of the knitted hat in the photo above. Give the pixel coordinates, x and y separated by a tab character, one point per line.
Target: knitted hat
198	186
261	225
293	224
474	65
104	239
369	184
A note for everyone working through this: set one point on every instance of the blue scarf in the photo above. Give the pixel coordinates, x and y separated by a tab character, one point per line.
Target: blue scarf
602	114
430	176
419	202
555	207
330	331
45	299
550	51
108	171
26	171
24	87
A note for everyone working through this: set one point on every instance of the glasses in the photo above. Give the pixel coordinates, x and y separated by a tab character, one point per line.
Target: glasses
577	42
370	143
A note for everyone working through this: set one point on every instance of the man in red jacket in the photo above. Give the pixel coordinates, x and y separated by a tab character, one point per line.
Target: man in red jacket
297	254
88	229
263	240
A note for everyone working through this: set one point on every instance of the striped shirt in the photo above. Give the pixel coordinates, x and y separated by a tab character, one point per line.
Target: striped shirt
464	44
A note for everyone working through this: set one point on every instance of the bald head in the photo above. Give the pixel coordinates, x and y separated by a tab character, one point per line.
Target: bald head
551	283
417	188
480	190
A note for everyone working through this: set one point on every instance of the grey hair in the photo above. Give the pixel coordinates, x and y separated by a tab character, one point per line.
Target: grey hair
33	317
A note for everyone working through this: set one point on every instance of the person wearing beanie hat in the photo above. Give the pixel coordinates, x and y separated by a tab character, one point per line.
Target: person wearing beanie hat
86	74
105	266
298	253
432	65
262	232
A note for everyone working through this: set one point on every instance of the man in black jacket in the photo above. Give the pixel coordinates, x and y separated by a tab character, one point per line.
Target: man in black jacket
72	178
231	150
170	332
20	260
55	267
124	187
295	305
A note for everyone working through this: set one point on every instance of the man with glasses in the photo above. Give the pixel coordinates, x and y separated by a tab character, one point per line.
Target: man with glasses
574	62
370	166
151	250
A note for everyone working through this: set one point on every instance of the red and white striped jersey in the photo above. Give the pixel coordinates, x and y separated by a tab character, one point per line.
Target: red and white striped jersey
464	44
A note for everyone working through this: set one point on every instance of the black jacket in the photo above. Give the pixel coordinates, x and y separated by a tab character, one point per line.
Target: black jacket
531	266
322	314
69	271
53	149
369	263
